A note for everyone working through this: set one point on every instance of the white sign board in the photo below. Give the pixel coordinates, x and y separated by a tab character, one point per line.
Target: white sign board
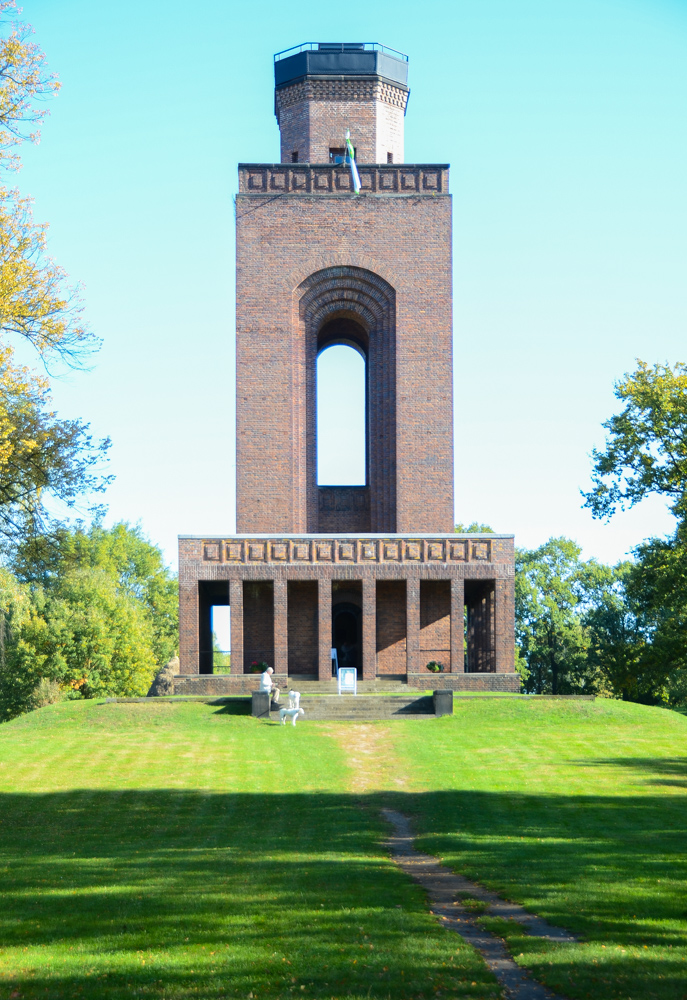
348	679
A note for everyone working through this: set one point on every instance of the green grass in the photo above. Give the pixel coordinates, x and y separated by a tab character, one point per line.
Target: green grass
176	850
578	811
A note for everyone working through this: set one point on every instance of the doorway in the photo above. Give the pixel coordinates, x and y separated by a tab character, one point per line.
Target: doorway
347	635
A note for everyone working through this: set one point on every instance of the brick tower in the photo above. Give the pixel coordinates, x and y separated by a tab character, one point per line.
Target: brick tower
318	265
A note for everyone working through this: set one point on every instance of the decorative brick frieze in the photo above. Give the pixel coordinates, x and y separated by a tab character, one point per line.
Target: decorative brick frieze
356	89
323	180
345	549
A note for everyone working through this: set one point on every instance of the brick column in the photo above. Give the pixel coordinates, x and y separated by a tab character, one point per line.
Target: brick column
236	605
281	646
457	626
504	626
324	628
189	621
413	625
369	628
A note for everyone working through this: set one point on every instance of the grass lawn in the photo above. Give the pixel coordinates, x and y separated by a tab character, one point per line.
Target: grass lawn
176	850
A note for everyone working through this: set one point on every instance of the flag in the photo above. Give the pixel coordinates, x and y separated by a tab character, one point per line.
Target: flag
351	158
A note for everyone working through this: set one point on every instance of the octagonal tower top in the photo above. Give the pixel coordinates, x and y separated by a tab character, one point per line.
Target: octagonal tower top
323	89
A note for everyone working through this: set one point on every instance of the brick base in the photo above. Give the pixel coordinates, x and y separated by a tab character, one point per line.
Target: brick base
468	682
244	684
220	684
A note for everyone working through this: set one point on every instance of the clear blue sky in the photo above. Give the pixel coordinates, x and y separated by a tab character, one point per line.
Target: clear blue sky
564	123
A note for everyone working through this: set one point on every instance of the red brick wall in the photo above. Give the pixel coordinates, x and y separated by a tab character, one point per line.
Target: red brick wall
302	627
435	622
343	508
314	115
258	622
391	627
387	257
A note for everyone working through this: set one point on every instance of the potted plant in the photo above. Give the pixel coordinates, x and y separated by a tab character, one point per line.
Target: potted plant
435	667
258	666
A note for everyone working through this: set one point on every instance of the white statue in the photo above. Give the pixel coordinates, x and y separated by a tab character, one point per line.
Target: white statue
294	709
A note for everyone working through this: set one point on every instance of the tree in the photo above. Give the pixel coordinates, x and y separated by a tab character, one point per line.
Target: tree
85	635
646	451
553	590
617	642
133	565
42	459
474	528
657	588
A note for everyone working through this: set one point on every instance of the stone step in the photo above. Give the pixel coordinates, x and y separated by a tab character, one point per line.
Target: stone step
365	707
330	687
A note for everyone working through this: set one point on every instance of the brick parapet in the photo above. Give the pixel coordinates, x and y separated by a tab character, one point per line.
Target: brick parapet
412	180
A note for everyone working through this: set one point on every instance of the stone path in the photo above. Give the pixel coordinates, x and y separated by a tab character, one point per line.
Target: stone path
443	886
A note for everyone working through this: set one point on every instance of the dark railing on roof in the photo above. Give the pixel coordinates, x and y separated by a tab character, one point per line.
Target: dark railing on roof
340	47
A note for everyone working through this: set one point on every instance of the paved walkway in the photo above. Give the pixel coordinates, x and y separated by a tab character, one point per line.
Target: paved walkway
442	887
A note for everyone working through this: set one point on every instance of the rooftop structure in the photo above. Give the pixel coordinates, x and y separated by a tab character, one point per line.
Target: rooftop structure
324	88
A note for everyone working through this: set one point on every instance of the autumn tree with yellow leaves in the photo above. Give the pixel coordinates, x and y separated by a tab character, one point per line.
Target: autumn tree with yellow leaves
42	458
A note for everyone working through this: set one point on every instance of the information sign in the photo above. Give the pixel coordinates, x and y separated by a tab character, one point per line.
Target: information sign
348	679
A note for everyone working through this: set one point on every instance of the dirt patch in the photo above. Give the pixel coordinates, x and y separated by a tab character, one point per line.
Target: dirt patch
373	764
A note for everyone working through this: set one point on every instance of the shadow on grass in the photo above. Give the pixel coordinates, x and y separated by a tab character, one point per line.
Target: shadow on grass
653	767
181	893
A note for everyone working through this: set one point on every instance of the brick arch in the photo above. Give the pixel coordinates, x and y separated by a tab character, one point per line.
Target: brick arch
344	291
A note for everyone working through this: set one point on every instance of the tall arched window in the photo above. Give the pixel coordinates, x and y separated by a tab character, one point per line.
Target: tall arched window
341	417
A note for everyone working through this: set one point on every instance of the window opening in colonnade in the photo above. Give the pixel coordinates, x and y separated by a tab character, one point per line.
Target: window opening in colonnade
341	417
220	623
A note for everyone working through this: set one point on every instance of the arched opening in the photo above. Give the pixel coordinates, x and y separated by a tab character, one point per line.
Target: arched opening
347	306
341	395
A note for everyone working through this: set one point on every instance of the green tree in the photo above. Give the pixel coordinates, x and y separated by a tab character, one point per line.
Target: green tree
658	590
134	566
646	453
89	637
474	528
553	590
43	460
15	612
646	450
617	641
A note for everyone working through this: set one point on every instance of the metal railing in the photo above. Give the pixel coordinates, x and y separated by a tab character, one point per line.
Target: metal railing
340	47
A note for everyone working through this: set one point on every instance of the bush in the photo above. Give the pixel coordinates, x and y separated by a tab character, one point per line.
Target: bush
46	692
435	667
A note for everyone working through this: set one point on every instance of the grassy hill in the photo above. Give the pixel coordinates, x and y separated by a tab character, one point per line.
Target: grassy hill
159	850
